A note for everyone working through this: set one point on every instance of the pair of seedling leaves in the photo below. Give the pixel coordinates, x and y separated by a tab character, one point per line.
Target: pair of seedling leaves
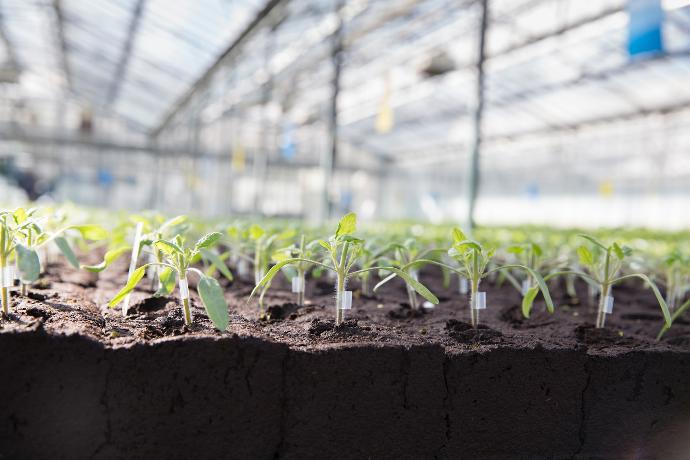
342	253
603	264
24	233
176	264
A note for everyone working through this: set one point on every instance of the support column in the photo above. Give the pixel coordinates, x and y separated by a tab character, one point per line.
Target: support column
477	119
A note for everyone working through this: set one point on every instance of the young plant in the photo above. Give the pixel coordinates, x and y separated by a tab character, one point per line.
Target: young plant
676	276
371	255
176	264
21	237
603	265
156	228
474	258
410	259
343	251
304	252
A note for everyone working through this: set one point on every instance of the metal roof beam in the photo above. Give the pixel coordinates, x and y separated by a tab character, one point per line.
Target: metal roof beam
62	42
235	47
123	64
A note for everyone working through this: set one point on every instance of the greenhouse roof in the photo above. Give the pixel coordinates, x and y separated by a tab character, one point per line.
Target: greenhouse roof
552	65
133	58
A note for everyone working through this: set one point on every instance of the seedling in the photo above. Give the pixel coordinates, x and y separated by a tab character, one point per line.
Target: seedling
474	258
21	237
343	251
175	266
305	252
676	275
603	265
156	228
371	256
410	259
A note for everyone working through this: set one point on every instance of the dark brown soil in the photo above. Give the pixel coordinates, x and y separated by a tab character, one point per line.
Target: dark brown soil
80	381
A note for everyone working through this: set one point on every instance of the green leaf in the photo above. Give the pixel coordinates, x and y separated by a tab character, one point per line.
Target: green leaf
66	250
208	240
137	276
167	277
458	235
618	251
19	215
540	283
585	256
271	273
660	299
537	250
416	285
326	245
256	232
172	223
676	314
593	240
168	248
528	300
214	301
218	262
347	225
110	257
28	264
91	232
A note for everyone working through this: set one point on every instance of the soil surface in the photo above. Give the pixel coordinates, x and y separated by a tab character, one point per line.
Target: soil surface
81	381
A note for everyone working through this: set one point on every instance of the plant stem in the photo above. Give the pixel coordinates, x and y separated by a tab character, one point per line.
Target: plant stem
411	294
570	286
184	293
258	269
601	314
474	313
303	286
365	284
604	291
339	294
4	291
340	285
29	242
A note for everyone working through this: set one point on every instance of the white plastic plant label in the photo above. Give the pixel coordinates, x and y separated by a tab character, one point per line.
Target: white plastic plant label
464	286
7	278
243	268
480	301
133	262
346	303
608	304
428	305
184	288
297	284
525	286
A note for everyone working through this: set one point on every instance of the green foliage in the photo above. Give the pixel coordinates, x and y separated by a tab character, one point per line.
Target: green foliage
176	264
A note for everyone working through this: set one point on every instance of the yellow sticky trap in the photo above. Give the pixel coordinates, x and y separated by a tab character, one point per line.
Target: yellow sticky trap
384	119
606	189
238	158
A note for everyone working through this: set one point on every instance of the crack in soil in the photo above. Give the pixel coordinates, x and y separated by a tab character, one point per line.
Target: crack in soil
583	410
